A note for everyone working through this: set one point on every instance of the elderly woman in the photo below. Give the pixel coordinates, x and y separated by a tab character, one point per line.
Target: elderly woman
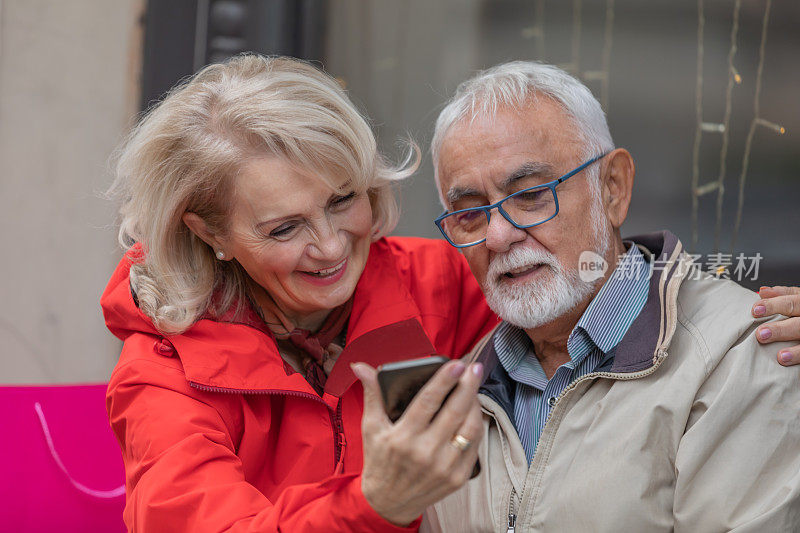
258	205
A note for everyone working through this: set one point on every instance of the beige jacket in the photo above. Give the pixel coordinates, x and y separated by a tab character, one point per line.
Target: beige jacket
694	427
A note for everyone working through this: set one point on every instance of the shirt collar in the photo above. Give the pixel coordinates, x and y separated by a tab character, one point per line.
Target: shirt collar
614	308
512	345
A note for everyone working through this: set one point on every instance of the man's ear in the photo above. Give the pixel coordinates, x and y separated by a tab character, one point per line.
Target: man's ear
199	227
617	185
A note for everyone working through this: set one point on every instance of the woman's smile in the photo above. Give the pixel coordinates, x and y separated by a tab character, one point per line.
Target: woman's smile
325	276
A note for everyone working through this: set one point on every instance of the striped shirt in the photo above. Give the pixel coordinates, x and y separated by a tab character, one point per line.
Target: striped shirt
590	345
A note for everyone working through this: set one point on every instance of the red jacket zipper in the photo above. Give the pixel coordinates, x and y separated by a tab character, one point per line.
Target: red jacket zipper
339	442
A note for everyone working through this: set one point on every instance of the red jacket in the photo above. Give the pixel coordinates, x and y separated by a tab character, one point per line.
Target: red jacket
219	434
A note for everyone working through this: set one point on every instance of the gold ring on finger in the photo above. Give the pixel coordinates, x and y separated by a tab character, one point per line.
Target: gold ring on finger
461	442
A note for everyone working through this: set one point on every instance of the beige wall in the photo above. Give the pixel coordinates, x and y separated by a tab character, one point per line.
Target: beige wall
66	96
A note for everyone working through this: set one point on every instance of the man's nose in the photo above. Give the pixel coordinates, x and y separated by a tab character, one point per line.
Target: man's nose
501	234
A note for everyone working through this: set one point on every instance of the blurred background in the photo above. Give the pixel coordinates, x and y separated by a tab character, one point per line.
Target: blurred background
712	123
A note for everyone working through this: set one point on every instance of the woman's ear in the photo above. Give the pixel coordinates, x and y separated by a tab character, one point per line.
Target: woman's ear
617	185
377	222
199	227
377	226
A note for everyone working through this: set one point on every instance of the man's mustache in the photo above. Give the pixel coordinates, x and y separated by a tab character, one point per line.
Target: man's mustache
518	258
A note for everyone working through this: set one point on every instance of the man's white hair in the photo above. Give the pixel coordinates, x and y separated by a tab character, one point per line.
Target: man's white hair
512	85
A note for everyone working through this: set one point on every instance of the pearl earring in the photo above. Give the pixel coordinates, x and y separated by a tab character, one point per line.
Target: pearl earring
220	255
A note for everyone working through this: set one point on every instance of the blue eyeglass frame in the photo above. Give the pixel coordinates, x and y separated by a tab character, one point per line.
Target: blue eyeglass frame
488	208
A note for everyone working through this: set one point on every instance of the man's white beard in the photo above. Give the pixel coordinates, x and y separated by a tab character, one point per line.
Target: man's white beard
554	291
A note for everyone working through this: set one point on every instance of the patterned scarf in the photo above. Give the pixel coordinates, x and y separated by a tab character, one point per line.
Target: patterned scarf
318	350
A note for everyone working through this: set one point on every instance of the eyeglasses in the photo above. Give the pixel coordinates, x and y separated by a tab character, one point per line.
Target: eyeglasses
523	209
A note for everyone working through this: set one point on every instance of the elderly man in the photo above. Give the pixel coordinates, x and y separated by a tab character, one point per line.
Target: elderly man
626	391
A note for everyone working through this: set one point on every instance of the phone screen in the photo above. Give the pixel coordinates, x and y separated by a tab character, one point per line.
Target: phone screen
400	382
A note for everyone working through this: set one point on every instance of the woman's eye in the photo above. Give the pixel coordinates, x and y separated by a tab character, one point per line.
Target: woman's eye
341	201
283	231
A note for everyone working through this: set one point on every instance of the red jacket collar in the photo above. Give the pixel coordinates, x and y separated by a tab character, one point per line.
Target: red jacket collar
385	325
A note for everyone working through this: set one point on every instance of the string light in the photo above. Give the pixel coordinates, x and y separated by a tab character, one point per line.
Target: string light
780	130
712	127
698	109
723	153
736	77
757	121
722	128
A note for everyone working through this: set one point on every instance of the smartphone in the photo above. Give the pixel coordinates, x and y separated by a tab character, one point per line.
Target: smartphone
402	380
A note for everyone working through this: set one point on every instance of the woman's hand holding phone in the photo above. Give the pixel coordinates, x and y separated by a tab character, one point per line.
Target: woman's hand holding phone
414	462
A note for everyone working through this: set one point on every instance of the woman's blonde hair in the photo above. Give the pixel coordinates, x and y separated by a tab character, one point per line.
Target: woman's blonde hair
183	154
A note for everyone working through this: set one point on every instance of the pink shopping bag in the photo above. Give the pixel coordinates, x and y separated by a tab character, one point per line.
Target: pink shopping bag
60	465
